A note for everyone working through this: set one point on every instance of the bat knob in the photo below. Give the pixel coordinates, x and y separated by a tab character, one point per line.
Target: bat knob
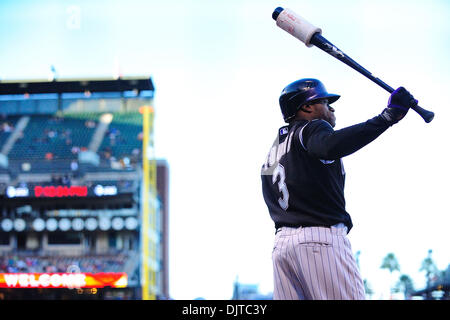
276	13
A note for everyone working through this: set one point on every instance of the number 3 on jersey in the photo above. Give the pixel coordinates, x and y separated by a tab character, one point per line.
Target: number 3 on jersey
284	199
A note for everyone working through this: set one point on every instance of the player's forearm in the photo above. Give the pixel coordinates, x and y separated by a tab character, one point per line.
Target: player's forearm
331	145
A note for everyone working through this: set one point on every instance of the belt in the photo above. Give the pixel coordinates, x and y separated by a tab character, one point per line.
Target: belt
338	225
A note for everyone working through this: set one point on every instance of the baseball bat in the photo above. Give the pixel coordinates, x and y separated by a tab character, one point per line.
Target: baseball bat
310	35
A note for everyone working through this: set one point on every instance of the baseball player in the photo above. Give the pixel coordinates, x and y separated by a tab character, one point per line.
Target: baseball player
303	187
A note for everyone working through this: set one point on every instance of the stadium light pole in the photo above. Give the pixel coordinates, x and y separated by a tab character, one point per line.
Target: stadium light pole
148	231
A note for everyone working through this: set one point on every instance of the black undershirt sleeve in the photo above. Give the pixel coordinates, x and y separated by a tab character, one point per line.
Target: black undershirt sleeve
321	141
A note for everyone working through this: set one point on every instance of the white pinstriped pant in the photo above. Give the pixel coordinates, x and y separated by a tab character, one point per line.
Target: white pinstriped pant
315	263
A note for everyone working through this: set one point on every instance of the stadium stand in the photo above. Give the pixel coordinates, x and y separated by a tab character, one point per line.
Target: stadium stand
7	125
123	135
27	262
59	209
64	137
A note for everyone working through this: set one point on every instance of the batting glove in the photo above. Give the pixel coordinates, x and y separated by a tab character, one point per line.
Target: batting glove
398	106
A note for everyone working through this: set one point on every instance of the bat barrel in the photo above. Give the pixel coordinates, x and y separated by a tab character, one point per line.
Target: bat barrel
294	24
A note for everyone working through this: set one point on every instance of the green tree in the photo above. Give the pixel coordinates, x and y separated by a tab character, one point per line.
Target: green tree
405	284
430	269
368	288
390	262
357	254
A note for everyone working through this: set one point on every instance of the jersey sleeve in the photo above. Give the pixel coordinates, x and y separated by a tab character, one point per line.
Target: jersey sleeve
319	139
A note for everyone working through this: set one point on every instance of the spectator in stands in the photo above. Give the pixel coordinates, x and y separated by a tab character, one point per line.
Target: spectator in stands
21	265
75	150
67	133
136	152
124	184
52	134
125	162
90	124
74	166
7	127
49	156
66	180
56	180
61	267
106	153
68	141
3	265
23	184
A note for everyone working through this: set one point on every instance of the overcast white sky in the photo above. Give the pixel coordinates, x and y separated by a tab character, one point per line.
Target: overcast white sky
218	68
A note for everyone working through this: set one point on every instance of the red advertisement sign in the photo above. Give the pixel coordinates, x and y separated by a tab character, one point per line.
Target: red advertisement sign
60	191
64	280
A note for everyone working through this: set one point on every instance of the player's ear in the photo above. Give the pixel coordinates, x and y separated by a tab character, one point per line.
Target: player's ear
306	108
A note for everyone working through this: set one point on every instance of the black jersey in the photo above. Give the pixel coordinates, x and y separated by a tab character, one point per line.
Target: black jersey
303	176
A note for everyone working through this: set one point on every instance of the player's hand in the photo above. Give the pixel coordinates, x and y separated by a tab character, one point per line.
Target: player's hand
398	106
